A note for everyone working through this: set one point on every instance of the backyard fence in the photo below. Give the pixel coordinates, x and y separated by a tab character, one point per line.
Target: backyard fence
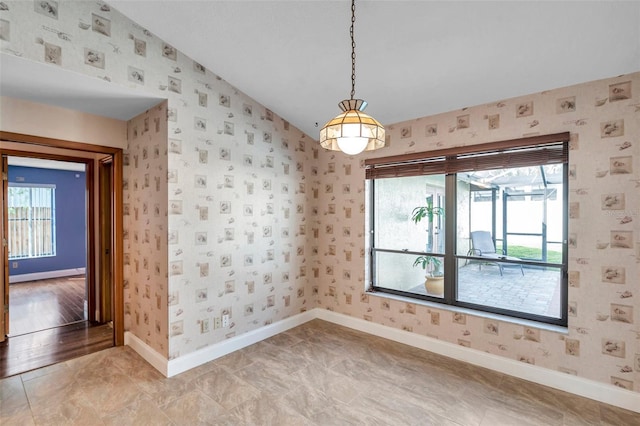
30	232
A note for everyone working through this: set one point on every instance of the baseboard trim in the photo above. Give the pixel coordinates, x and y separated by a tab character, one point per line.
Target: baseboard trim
45	275
591	389
158	361
204	355
186	362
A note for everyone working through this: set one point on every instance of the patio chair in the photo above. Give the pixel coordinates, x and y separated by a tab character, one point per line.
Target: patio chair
482	246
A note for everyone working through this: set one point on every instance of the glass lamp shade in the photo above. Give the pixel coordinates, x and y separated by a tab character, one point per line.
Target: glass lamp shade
353	131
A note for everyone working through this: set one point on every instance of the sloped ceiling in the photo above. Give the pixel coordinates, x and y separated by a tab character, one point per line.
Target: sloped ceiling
414	58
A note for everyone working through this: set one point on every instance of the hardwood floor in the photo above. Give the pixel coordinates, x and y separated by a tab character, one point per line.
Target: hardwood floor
20	354
47	325
42	304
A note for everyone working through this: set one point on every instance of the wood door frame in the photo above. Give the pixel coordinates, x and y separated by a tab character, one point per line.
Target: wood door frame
104	174
4	262
117	197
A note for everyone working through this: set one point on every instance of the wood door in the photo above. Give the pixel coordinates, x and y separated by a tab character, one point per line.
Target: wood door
4	285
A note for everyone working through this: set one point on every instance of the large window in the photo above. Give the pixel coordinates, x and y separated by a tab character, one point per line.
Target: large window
31	217
482	227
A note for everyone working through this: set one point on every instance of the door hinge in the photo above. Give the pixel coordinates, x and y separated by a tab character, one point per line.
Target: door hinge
4	242
5	176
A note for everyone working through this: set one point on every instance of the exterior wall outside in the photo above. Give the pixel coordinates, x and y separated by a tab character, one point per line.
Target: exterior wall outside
601	343
464	205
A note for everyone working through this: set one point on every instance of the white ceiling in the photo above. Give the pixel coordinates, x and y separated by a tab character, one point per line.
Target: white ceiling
49	84
414	58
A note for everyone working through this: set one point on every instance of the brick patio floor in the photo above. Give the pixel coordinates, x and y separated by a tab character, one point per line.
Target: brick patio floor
537	292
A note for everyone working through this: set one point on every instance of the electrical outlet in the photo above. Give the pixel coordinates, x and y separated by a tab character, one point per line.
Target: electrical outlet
204	325
216	322
14	265
225	321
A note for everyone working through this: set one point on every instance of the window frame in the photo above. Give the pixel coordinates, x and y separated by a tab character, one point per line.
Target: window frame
449	162
31	187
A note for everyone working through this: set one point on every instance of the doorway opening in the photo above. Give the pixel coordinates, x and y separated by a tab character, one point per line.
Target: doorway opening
47	241
73	304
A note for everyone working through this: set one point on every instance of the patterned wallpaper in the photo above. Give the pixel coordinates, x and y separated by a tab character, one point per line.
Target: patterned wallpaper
603	340
261	224
145	228
217	187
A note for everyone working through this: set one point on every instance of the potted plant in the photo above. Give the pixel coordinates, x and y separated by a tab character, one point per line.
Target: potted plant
432	265
434	277
428	211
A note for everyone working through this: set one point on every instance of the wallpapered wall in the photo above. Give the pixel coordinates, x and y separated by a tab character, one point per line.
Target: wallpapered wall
145	228
260	224
603	340
228	188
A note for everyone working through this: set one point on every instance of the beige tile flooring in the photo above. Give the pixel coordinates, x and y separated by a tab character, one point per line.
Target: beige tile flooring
314	374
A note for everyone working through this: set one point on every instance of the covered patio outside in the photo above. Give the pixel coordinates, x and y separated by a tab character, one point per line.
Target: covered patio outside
516	269
537	292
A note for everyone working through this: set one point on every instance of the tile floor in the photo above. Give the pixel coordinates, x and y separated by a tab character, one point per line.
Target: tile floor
315	374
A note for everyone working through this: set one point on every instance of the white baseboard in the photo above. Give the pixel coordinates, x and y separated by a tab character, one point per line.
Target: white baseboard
591	389
45	275
204	355
191	360
158	361
602	392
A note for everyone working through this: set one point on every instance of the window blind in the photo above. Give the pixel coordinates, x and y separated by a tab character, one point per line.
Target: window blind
523	152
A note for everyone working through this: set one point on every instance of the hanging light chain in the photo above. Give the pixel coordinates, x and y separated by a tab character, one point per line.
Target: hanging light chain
353	49
338	134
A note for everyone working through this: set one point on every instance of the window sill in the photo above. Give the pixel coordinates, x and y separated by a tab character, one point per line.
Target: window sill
472	312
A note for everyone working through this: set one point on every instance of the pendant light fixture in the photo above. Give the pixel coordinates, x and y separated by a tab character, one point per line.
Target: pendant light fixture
353	131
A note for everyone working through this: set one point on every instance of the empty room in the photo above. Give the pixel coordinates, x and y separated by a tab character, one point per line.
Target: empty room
257	248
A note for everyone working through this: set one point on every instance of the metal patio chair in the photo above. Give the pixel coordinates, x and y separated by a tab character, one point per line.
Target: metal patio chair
482	246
